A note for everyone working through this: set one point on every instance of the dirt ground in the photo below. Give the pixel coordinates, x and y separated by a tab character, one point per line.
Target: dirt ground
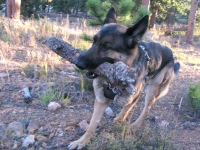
171	116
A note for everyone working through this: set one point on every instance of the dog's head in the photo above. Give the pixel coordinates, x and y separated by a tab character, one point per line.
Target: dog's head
114	42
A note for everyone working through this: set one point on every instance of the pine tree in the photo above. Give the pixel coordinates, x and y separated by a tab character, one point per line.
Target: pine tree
13	9
191	22
166	11
127	11
146	3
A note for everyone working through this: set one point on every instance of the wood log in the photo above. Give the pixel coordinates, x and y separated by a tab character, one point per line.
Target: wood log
118	74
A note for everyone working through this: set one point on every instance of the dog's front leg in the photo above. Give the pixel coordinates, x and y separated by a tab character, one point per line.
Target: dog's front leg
99	109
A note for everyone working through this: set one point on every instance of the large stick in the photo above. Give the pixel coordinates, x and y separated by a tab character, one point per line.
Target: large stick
118	74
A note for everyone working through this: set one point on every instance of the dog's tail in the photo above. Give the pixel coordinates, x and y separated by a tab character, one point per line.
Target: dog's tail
177	68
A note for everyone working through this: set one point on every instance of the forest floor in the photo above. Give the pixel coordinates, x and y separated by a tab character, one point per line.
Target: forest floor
171	124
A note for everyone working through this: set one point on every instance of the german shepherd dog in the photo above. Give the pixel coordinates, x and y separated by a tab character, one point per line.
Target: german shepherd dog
113	43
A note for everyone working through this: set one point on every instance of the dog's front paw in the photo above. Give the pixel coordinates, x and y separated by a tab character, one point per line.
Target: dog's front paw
77	145
117	120
81	143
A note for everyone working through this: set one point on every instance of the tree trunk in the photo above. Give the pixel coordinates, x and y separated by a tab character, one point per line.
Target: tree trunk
153	18
191	21
13	9
170	17
146	3
117	74
48	5
25	10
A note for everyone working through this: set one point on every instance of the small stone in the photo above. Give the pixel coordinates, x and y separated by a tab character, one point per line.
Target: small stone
59	132
44	145
190	125
60	135
83	125
69	129
53	106
52	135
41	138
63	72
109	112
17	127
73	123
16	145
163	123
33	125
28	140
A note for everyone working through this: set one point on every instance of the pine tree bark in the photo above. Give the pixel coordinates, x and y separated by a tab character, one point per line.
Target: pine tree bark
153	18
13	9
191	21
146	3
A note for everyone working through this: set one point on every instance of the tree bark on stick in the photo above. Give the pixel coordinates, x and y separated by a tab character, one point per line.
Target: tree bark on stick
118	74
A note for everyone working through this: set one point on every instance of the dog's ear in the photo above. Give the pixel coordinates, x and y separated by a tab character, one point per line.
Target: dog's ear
136	32
111	16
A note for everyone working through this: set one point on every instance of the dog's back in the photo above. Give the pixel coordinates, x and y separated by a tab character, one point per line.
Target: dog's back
159	55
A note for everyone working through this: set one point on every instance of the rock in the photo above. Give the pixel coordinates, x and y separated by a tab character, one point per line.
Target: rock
53	106
109	112
27	95
17	127
190	125
28	140
16	145
44	145
83	125
69	129
63	72
59	132
41	138
73	123
33	125
52	134
163	123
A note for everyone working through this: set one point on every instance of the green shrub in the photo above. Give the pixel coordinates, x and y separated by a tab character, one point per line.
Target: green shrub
86	37
194	94
48	96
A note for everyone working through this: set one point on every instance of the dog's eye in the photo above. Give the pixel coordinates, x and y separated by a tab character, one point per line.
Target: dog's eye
107	45
95	38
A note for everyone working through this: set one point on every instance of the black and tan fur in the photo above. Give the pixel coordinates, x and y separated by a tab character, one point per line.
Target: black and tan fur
114	43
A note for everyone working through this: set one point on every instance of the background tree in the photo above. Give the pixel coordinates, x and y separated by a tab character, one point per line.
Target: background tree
69	6
127	11
31	7
167	11
146	3
13	9
191	22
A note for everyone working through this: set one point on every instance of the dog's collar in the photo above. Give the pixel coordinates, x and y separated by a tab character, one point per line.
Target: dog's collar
149	73
145	52
148	60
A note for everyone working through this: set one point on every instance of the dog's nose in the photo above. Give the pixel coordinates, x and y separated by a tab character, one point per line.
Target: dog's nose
80	66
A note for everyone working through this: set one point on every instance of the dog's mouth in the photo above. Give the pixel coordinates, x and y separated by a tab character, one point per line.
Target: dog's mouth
91	75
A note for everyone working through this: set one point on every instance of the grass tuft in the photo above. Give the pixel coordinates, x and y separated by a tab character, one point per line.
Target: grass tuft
194	94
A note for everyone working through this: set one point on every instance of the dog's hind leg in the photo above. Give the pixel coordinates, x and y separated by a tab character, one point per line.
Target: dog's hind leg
158	87
99	109
121	117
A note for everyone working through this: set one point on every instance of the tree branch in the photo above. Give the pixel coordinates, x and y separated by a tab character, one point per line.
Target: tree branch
118	74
